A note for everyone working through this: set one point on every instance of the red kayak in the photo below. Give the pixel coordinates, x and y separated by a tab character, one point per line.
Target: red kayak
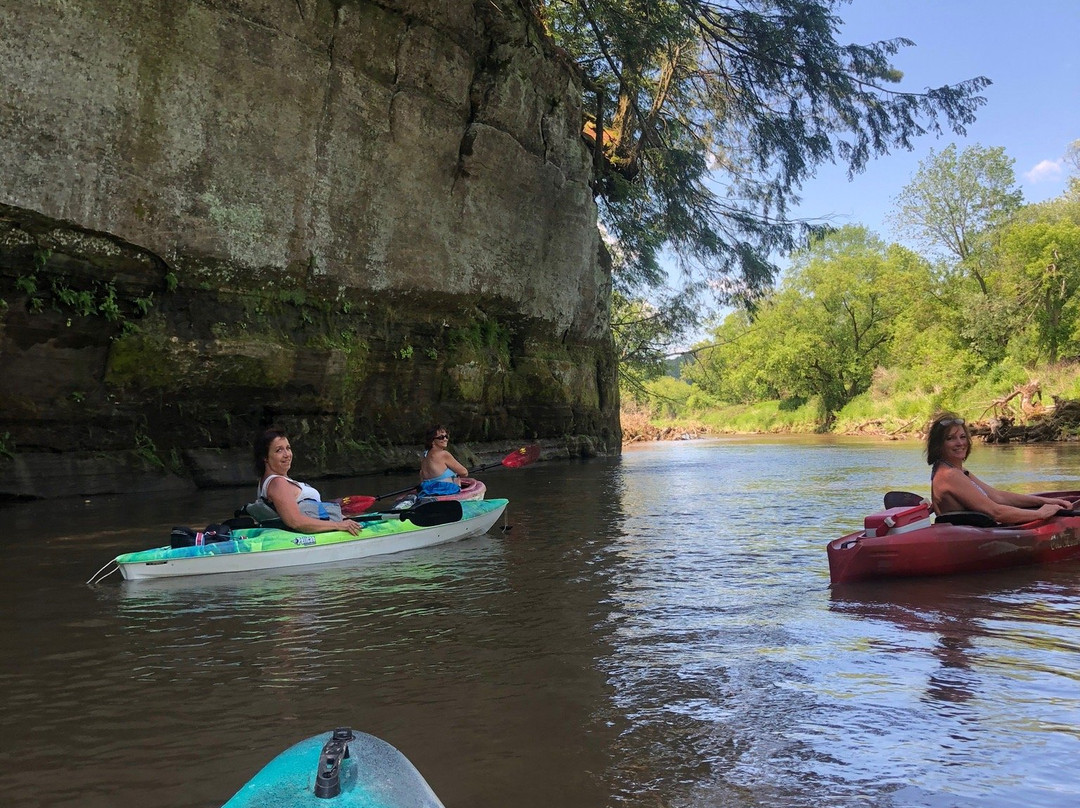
903	542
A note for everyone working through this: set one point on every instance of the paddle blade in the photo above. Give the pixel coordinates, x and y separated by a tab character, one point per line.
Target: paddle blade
903	499
522	456
440	512
352	505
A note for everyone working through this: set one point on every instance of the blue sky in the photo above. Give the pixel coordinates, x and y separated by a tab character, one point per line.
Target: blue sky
1028	49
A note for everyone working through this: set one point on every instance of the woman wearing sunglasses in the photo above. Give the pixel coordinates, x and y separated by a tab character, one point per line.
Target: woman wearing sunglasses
439	471
954	488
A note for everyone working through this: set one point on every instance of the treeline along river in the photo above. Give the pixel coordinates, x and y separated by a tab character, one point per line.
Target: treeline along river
654	630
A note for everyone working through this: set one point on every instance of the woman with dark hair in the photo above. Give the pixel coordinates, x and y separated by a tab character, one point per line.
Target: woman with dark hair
439	470
954	488
299	505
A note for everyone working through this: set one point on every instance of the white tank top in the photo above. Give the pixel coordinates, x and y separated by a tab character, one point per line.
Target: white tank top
303	490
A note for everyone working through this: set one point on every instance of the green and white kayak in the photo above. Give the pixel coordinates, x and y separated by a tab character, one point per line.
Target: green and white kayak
262	548
339	769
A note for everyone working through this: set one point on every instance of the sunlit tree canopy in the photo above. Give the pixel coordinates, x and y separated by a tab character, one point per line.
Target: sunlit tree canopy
707	117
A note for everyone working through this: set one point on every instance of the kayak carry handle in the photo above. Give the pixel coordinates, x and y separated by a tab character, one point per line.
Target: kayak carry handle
328	778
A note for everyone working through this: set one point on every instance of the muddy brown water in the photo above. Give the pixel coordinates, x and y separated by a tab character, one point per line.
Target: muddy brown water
654	630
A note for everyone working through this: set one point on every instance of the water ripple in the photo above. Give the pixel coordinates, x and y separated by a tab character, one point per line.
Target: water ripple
654	631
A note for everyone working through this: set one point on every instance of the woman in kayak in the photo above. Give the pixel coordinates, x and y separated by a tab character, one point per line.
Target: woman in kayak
439	470
298	504
954	488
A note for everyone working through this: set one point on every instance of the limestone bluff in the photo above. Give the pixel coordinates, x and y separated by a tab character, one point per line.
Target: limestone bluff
354	218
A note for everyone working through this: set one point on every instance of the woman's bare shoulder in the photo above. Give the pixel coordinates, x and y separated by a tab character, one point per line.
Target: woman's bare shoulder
946	472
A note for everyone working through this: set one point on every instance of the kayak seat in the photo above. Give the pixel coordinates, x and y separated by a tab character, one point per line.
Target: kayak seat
903	499
258	513
971	518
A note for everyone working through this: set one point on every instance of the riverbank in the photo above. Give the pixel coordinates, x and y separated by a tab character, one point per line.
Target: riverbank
1034	423
638	427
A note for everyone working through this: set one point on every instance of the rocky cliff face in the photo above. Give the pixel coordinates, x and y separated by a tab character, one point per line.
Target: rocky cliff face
351	218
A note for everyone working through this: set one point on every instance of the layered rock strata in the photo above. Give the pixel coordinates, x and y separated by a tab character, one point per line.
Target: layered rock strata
351	218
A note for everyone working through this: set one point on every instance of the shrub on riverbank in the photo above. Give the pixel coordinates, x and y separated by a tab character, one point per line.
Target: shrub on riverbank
640	423
671	407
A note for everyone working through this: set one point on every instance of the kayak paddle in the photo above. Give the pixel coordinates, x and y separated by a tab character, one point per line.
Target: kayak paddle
354	504
439	512
399	491
516	459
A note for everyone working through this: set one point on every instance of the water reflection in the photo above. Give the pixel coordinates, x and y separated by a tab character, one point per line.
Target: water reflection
1034	608
275	630
731	652
945	610
654	631
991	658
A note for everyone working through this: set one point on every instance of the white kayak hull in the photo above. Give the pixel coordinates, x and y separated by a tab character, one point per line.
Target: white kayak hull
277	549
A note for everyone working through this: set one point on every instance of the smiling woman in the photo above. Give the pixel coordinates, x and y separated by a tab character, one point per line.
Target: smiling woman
299	505
954	488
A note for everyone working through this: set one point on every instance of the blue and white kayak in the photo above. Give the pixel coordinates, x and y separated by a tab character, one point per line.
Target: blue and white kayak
262	548
340	769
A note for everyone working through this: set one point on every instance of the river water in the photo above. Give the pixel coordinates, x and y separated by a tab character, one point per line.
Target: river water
654	630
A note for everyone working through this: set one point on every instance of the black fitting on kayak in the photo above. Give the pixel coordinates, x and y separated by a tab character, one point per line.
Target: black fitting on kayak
328	778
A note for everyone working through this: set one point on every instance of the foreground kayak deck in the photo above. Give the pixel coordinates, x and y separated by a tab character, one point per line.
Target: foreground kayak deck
949	549
273	548
371	774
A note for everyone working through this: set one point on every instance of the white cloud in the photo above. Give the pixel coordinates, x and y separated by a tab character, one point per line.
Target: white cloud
1045	171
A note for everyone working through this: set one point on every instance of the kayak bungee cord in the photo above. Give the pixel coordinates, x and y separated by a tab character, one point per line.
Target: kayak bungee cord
98	577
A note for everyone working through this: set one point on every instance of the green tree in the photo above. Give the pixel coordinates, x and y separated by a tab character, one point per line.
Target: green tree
955	201
728	367
707	118
933	350
669	397
1072	159
826	330
1041	253
645	335
854	287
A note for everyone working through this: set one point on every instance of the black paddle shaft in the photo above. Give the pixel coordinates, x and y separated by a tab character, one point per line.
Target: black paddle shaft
439	512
